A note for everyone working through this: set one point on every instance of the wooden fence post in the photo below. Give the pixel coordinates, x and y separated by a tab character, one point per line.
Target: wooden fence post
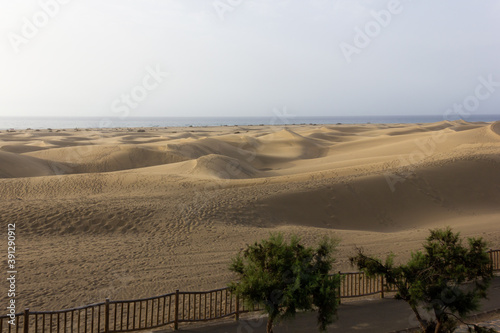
340	287
176	310
381	286
26	320
494	259
106	316
237	312
490	252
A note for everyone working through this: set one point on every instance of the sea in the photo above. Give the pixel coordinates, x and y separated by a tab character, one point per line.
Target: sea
105	122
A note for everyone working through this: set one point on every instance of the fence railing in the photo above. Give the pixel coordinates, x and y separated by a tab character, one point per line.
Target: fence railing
357	284
174	308
495	259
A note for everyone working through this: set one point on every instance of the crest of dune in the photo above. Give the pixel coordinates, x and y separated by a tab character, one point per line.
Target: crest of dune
222	167
495	128
107	158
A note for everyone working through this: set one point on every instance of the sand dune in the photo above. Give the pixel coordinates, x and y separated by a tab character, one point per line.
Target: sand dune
166	209
368	203
223	167
495	127
290	145
104	158
14	165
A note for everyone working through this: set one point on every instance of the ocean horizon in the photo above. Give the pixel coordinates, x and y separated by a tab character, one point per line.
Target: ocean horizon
20	123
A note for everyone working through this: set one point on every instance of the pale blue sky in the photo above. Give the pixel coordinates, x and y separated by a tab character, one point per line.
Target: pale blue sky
93	57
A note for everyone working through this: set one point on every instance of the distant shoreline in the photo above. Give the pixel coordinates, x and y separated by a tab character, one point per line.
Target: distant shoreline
192	128
23	123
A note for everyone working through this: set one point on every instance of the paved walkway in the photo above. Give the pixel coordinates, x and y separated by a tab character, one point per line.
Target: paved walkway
489	324
370	316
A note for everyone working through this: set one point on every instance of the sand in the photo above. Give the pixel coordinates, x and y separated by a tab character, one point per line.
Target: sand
125	214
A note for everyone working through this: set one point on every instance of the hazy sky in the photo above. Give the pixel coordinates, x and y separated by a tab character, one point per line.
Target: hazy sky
246	57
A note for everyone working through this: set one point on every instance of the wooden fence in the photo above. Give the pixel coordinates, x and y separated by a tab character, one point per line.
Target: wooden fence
357	284
174	308
495	259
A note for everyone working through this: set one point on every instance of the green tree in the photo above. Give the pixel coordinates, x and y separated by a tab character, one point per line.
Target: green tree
447	278
286	277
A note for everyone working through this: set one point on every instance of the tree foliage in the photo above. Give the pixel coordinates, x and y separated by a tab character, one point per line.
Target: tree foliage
286	277
447	278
